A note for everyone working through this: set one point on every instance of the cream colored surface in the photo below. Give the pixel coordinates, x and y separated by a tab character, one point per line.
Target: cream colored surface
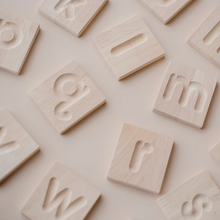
141	158
215	152
88	147
186	94
16	38
16	145
61	195
72	15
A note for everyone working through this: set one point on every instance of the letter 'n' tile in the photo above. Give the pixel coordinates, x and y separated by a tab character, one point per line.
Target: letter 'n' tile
186	94
196	199
62	195
128	47
67	96
141	159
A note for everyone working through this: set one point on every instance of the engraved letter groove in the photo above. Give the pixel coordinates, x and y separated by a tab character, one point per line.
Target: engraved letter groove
213	34
164	3
62	201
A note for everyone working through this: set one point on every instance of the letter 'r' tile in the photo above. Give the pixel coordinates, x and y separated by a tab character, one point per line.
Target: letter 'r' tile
16	38
196	199
141	159
206	39
67	97
62	195
186	94
128	47
72	15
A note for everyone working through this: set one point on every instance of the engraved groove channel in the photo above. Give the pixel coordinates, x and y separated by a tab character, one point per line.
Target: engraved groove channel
62	201
195	210
69	90
191	91
213	34
9	146
129	45
11	35
68	7
164	3
141	150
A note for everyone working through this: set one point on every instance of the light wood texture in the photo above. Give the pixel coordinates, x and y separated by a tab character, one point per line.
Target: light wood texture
197	199
61	195
186	94
206	39
128	47
67	97
165	10
72	15
215	152
16	38
141	158
16	145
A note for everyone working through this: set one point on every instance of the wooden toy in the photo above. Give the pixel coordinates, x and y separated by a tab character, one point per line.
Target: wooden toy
215	152
67	97
186	94
16	38
165	10
141	159
197	199
72	15
16	145
129	47
61	195
206	39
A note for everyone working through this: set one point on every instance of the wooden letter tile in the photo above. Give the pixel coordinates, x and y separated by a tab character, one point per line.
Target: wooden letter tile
129	47
215	152
72	15
206	39
16	145
186	94
16	38
61	195
165	10
141	159
197	199
67	97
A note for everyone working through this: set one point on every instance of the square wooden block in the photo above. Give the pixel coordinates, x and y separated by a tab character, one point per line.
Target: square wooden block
206	39
197	199
215	152
16	38
67	97
141	158
72	15
165	10
186	94
16	145
61	195
128	47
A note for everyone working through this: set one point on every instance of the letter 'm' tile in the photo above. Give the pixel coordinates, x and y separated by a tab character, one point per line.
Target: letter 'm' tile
67	96
72	15
16	145
128	47
141	158
61	195
186	94
196	199
16	38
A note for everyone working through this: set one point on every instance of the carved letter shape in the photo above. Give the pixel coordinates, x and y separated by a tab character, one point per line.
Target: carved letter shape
200	204
189	89
6	147
140	151
11	35
213	34
69	91
67	7
164	3
62	201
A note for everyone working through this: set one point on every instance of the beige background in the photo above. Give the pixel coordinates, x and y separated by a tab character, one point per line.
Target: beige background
88	147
